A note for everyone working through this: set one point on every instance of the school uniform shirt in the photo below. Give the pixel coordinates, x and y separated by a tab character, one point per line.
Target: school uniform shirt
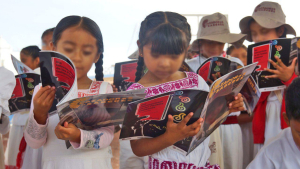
196	62
78	156
279	153
168	157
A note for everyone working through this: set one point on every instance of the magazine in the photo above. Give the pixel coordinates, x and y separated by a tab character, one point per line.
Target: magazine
147	118
285	48
97	111
20	67
22	94
59	71
124	75
220	66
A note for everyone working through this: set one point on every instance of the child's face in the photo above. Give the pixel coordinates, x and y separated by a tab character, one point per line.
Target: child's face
162	66
240	53
260	34
211	48
29	61
295	127
80	46
46	41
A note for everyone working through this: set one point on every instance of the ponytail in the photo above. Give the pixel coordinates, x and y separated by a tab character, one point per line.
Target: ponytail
139	69
99	69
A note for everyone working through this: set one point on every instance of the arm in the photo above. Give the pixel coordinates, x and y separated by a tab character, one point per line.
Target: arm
244	118
35	134
95	139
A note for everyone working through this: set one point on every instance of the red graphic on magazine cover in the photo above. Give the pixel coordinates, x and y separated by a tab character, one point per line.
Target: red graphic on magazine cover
204	71
128	71
18	91
153	109
64	72
261	55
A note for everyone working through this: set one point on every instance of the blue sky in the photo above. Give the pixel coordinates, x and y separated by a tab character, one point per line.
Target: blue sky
22	22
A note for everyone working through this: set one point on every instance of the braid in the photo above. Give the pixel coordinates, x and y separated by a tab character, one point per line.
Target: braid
139	69
99	69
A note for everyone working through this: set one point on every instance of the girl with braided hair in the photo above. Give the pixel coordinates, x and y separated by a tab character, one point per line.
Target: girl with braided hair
163	43
80	39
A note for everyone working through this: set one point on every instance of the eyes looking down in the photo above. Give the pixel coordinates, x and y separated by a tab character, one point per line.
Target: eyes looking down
259	33
210	48
162	65
80	46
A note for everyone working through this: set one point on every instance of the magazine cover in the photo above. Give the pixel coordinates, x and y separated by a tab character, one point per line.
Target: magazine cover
22	94
220	66
124	75
20	67
148	117
263	51
59	71
97	111
217	66
295	53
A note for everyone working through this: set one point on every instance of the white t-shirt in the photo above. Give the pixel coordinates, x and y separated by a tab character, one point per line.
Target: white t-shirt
280	152
196	62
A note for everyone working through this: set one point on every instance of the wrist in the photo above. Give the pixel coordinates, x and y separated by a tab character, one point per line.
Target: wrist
169	139
77	136
40	118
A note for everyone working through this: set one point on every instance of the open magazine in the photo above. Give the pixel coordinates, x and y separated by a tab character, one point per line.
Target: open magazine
97	111
59	71
20	67
220	66
22	94
148	117
285	48
124	75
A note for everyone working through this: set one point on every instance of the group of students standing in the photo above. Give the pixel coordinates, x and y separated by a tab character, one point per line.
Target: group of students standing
37	140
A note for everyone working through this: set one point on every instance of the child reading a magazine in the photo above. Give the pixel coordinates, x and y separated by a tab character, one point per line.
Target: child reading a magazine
163	43
80	39
283	150
31	158
213	33
266	25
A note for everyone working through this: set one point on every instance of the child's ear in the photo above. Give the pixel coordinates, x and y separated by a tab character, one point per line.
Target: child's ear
280	31
286	119
97	57
52	46
37	61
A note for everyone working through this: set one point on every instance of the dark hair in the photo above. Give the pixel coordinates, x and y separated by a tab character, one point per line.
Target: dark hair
292	98
230	49
88	25
32	51
168	32
47	32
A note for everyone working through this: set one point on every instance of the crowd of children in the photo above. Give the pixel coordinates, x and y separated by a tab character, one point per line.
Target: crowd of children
268	139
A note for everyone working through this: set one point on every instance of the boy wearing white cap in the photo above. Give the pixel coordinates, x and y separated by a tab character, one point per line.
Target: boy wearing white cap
266	23
213	33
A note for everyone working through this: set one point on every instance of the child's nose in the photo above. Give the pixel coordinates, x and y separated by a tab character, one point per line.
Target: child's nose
77	57
164	63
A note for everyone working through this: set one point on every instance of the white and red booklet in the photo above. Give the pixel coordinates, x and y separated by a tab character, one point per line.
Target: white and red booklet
285	48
